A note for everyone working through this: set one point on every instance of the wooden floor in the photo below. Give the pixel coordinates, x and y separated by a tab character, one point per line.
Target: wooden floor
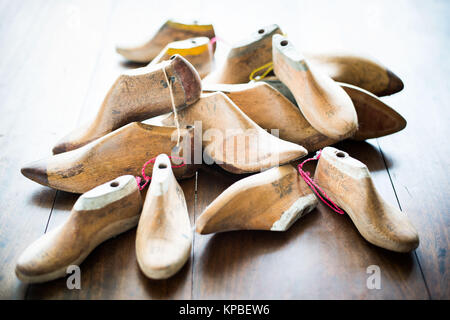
57	61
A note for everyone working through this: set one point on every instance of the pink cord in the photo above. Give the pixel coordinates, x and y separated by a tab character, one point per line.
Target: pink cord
216	39
315	188
147	178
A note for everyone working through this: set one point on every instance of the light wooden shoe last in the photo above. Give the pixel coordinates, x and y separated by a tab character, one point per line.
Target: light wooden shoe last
164	234
271	200
233	140
272	110
195	50
169	32
348	183
246	56
322	101
359	71
121	152
375	118
138	95
99	214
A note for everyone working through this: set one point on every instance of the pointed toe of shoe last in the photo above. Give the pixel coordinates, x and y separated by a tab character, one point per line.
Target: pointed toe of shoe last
395	84
36	171
375	118
99	214
164	235
348	183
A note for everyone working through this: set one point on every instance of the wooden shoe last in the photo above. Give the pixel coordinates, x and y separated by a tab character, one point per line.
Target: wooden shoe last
246	56
169	32
272	110
348	183
138	95
195	50
99	214
375	118
358	71
164	236
271	200
232	139
121	152
322	101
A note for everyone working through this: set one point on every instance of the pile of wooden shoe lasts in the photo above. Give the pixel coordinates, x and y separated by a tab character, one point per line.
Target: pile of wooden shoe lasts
266	83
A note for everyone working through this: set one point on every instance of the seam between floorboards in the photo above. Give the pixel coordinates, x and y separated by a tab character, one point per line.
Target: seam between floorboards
51	212
193	238
399	205
45	231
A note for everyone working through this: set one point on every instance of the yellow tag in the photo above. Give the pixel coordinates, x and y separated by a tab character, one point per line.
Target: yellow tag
190	27
187	51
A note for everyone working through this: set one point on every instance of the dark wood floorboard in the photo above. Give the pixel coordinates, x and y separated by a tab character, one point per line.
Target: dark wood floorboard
418	157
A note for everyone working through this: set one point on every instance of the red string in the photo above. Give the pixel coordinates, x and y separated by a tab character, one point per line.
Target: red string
315	188
147	178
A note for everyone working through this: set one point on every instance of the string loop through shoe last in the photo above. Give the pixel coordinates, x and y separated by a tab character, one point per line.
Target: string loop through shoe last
348	183
137	95
120	152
